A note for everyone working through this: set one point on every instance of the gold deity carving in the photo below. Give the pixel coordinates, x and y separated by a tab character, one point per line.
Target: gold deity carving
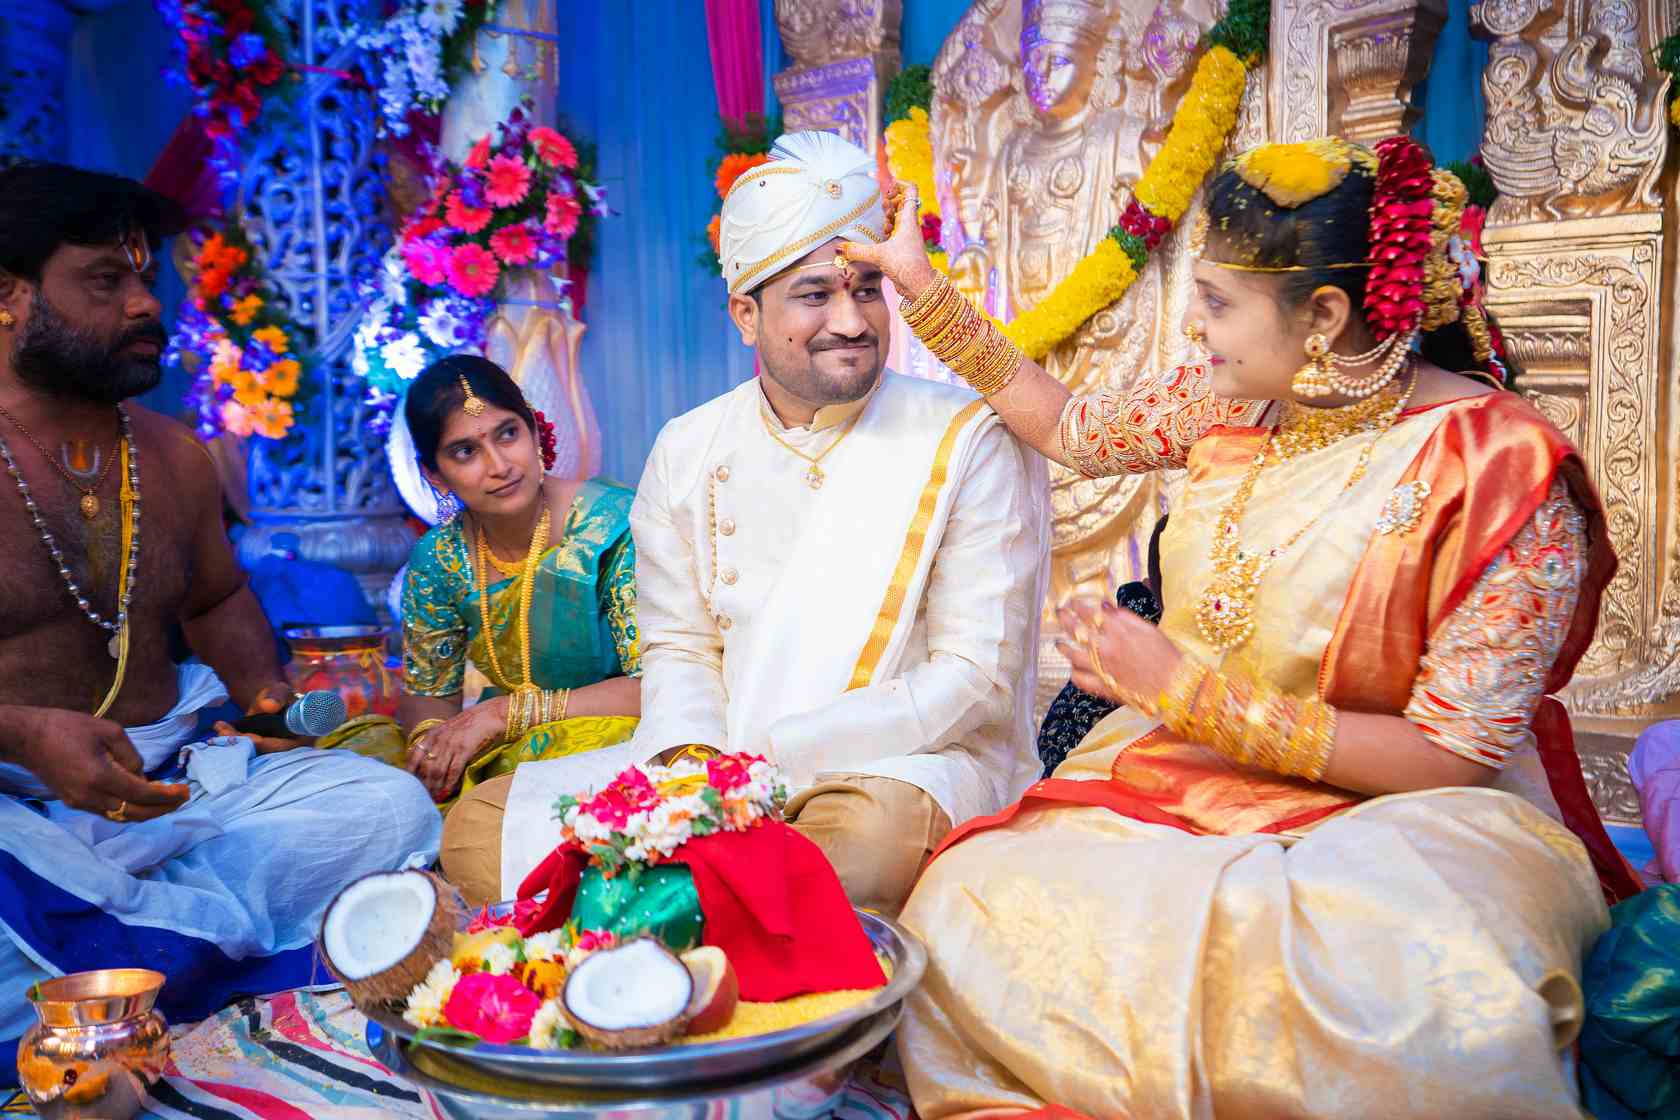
843	55
1583	283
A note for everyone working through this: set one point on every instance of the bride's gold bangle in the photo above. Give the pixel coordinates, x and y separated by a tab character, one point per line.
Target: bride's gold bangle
421	728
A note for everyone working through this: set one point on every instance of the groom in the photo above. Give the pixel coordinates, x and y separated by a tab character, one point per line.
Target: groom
837	567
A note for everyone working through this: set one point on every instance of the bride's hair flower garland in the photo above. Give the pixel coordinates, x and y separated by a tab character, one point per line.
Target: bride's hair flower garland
1201	126
909	147
646	813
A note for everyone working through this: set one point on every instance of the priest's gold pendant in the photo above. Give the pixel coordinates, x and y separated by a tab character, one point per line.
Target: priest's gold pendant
814	477
90	506
114	646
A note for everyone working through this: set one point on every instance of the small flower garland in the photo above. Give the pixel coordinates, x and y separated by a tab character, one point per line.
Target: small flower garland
501	988
909	146
230	57
1201	127
244	350
1668	60
418	53
741	148
646	813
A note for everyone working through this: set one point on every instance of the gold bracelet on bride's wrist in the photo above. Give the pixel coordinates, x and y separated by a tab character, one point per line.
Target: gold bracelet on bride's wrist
1250	723
421	730
961	337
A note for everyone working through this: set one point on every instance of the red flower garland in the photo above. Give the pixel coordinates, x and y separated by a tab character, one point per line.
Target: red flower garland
1401	205
546	437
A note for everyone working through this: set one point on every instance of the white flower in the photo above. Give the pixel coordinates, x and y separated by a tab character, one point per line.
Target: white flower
426	1001
405	356
1469	268
546	1025
499	959
442	325
440	16
544	946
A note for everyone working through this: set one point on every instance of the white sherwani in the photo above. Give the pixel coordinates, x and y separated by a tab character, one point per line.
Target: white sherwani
885	624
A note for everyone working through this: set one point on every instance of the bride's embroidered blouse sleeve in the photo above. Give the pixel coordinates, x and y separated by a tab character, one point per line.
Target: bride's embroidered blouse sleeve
1150	427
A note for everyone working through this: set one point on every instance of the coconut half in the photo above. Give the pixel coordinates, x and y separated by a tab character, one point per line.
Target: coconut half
634	994
383	932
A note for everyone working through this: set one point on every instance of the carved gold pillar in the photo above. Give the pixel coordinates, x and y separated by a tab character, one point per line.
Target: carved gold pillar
1585	293
1347	67
844	53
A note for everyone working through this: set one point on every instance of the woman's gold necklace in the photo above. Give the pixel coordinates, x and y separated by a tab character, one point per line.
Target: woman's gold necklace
1225	613
533	556
814	477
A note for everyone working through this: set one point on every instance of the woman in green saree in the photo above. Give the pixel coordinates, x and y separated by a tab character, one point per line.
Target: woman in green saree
533	581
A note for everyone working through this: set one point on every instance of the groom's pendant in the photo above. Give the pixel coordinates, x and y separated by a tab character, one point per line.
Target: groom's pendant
814	477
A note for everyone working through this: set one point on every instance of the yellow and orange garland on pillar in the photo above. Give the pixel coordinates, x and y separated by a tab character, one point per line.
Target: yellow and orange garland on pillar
1201	127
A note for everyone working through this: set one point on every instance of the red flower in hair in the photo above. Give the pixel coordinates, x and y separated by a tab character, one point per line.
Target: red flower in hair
1401	204
545	437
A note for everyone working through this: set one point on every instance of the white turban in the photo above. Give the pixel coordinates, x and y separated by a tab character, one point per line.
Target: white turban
816	187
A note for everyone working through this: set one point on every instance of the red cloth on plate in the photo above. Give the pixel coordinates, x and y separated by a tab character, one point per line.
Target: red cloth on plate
771	901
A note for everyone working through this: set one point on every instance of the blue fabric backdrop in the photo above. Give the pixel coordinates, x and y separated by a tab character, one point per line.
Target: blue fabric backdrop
658	342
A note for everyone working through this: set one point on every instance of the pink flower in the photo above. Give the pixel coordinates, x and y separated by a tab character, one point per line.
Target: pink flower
729	772
465	218
514	245
591	940
554	149
495	1008
508	182
427	262
563	214
626	794
424	227
480	152
473	270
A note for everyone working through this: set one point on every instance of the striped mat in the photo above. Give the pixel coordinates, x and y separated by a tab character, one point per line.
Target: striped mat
302	1056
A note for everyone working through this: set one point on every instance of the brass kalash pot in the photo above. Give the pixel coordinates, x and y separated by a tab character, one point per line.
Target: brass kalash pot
98	1047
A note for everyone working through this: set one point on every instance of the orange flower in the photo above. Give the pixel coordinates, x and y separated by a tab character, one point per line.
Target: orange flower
224	360
713	233
271	419
247	389
212	282
735	165
272	337
246	309
281	378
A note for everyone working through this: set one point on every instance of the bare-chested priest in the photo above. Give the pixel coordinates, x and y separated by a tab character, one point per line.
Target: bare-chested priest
115	850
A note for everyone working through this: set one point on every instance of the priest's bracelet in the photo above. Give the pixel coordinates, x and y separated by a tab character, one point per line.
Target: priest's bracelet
963	338
1249	723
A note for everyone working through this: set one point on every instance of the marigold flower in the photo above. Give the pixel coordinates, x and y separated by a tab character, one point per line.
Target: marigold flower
735	165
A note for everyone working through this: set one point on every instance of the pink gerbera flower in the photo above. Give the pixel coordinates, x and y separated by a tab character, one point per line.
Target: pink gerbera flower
563	214
497	1008
465	218
428	262
507	182
514	245
473	270
554	149
480	152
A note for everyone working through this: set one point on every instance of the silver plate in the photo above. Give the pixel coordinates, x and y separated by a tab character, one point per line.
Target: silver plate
666	1066
807	1089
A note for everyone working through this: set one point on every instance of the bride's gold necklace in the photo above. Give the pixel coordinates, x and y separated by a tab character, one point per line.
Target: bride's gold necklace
1225	613
487	560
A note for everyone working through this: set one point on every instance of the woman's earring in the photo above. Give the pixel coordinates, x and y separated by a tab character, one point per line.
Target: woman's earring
1312	380
448	506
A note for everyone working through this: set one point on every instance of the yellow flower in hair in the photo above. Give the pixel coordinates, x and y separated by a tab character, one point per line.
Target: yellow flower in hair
1291	174
272	337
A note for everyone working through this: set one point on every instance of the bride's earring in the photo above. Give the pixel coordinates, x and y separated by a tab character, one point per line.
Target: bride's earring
1312	380
448	505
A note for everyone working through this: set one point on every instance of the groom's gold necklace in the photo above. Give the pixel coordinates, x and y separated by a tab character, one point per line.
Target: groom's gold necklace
814	477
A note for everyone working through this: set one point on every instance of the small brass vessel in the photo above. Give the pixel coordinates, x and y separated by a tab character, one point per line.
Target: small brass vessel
98	1047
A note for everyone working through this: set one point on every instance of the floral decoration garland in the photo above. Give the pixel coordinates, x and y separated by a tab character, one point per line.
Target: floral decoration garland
1201	126
232	59
909	146
501	988
518	201
646	813
240	347
418	53
1668	60
740	149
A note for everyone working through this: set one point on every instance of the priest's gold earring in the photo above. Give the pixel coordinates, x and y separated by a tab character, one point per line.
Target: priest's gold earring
1313	379
6	318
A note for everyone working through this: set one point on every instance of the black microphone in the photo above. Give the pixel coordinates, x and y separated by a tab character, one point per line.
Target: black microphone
309	716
